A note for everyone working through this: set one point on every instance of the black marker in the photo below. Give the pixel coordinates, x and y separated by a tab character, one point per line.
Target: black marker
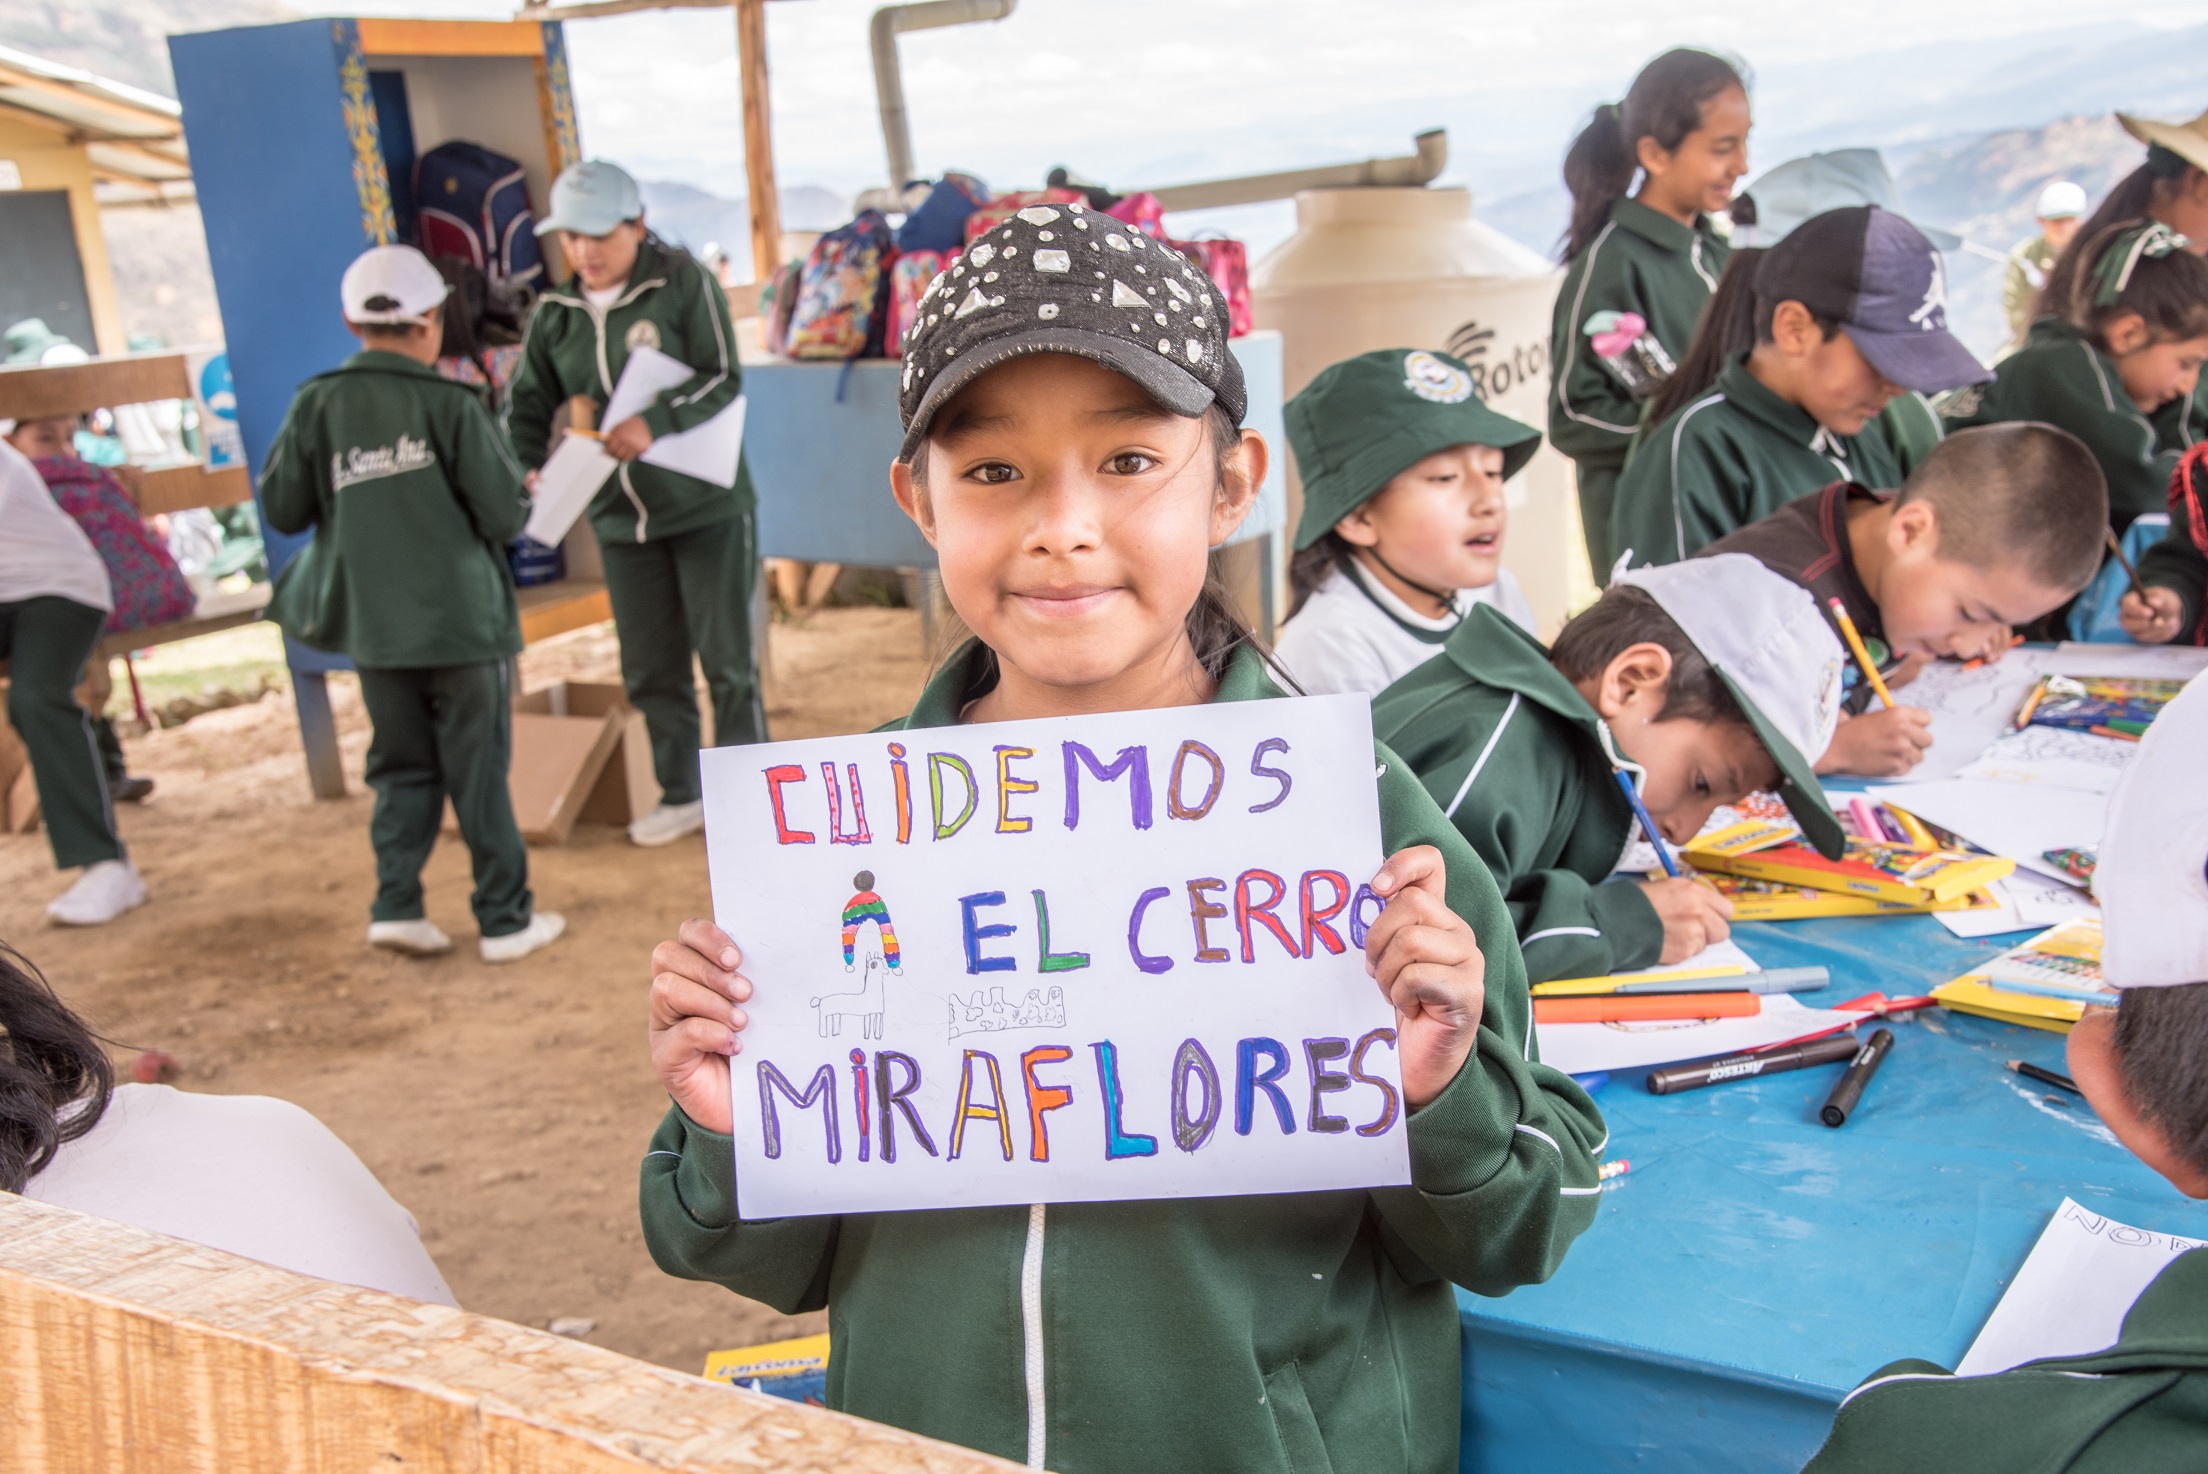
1749	1066
1850	1089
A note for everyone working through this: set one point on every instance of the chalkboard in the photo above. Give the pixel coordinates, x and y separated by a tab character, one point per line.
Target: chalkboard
44	276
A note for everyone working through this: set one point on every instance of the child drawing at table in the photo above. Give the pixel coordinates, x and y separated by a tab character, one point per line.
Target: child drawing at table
2142	1403
1073	452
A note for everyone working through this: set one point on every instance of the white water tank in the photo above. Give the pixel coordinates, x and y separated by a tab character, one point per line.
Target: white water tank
1411	268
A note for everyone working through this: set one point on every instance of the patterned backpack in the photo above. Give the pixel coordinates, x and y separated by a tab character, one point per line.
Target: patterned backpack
843	293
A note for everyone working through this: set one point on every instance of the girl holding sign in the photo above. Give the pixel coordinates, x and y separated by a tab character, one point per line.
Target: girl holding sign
1073	454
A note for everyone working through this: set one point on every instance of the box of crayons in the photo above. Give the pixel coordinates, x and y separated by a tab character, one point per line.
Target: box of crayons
1877	870
2045	983
2104	706
1766	900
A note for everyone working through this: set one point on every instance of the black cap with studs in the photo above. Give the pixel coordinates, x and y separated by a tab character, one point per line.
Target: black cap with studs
1065	279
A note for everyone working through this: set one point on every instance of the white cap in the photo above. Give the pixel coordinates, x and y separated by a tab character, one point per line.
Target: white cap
2061	200
1781	660
2152	874
394	284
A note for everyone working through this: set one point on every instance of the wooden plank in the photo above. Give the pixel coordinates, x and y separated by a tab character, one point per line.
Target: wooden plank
216	612
392	37
178	488
766	203
555	608
131	1353
31	392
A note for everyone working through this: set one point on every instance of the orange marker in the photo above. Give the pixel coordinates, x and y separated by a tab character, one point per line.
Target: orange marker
1607	1008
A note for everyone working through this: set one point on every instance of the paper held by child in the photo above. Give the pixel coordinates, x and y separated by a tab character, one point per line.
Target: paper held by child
2073	1292
1081	959
566	482
708	451
1579	1049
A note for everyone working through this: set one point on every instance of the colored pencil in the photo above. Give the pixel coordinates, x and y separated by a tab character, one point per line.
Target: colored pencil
2130	572
2112	732
1862	654
2031	1071
1648	825
2031	704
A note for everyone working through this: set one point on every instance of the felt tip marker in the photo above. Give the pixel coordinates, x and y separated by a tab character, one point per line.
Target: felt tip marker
1770	980
1648	825
1849	1092
2031	1071
1747	1066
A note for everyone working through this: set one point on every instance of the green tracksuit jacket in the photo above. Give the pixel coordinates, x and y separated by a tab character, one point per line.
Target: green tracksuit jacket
2139	1406
2059	376
412	496
1642	262
1309	1331
1738	453
1510	751
670	303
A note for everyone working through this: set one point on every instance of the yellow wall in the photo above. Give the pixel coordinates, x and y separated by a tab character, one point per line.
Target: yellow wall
49	161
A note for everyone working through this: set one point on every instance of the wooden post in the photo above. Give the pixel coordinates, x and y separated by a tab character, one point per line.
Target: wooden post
131	1353
766	204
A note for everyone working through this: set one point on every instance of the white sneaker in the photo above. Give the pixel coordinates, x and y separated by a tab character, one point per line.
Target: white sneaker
102	893
543	929
668	823
420	937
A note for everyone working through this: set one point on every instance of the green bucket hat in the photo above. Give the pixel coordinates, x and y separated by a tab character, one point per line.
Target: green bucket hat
1366	420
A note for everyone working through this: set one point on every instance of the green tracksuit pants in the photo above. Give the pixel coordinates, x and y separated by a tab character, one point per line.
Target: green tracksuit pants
48	642
444	731
673	596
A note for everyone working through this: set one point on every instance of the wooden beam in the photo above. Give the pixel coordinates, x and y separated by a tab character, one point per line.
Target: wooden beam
766	203
180	488
131	1353
31	392
550	609
449	37
586	9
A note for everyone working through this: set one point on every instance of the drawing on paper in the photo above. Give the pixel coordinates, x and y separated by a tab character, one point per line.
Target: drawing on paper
865	1005
2053	755
861	909
992	1014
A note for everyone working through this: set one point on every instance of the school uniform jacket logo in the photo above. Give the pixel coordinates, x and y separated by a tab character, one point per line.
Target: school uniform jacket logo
1431	379
358	464
643	333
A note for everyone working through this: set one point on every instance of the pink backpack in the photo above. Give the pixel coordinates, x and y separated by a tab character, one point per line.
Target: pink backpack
1227	263
908	279
1004	205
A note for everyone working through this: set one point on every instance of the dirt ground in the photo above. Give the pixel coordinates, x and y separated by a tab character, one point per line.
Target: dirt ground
507	1107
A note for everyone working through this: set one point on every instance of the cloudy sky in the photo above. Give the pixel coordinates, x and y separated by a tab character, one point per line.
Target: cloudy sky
1160	91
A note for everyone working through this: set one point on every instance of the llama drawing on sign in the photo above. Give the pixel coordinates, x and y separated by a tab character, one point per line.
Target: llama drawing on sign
866	1004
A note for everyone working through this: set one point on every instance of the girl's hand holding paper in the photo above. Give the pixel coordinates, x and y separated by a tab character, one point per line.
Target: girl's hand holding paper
1428	964
697	1020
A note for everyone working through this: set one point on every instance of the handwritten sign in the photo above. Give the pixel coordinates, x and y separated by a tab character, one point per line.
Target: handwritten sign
1072	960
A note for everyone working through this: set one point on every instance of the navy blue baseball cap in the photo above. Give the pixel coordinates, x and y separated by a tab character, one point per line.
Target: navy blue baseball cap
1887	285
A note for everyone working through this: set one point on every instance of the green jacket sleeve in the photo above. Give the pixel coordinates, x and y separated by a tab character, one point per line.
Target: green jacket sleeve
487	476
687	1198
1911	428
1503	1160
1591	416
2178	564
290	487
535	395
711	340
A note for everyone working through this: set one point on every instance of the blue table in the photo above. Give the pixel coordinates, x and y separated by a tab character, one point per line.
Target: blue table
1755	1265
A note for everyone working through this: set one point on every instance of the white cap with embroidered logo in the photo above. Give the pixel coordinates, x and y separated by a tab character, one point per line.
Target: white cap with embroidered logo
2152	875
391	284
1775	652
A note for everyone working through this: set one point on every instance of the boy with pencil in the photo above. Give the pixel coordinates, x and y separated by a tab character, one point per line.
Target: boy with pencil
2141	1404
412	497
1682	688
1851	310
1995	528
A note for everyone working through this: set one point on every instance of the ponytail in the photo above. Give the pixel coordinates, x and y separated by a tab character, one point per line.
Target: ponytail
1664	103
1727	326
48	1059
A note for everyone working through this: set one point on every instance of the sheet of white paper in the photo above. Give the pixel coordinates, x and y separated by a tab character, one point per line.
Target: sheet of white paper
1717	954
570	477
1969	708
706	451
648	374
2022	821
709	451
2056	756
2141	662
1578	1049
1082	959
2073	1292
2029	902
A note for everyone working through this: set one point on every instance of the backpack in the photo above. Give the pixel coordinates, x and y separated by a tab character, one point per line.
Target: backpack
474	205
940	222
908	283
843	293
1227	263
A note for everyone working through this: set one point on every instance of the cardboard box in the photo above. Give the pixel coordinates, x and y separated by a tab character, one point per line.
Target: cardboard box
581	755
